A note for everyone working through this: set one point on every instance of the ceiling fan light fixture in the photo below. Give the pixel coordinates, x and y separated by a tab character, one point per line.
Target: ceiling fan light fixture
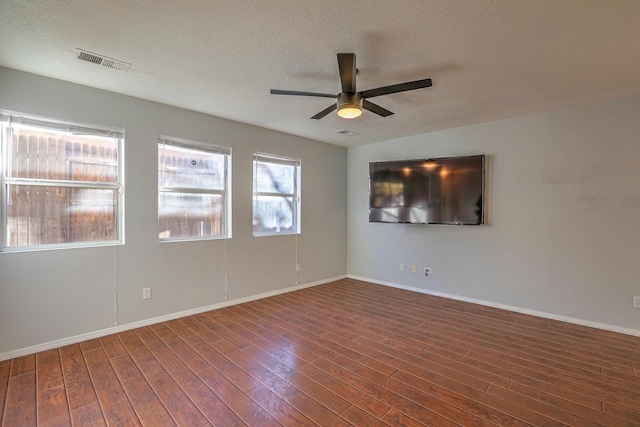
349	105
349	112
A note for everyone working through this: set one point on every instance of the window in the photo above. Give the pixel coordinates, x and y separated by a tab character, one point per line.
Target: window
276	195
62	184
193	190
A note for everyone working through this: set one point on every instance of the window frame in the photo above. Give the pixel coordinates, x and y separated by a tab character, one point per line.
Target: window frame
54	124
164	140
297	191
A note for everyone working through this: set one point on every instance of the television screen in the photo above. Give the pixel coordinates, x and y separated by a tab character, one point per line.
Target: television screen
447	190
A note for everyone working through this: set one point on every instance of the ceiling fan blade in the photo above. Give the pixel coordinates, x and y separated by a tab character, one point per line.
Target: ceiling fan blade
374	108
347	67
401	87
297	93
324	112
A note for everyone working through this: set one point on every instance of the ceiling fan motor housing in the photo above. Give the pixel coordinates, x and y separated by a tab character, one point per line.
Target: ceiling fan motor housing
349	100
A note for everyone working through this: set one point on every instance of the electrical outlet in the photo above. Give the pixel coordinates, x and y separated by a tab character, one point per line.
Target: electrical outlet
401	266
636	302
146	293
297	267
414	269
427	271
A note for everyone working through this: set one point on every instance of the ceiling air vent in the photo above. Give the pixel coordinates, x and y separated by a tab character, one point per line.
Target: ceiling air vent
345	132
103	60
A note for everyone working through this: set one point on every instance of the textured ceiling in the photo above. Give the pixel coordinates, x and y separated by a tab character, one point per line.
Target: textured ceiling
489	59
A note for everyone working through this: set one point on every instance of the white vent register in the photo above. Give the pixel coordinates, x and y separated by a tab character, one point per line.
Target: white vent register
103	60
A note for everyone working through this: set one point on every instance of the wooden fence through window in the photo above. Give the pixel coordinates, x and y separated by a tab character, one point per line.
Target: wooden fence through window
184	214
55	214
46	214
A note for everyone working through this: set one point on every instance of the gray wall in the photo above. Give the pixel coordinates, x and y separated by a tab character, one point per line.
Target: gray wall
52	295
563	232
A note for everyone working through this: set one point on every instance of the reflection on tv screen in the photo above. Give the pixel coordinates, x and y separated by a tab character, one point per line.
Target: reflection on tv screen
448	190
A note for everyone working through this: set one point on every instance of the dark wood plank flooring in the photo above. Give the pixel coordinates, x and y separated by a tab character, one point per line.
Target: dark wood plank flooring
343	353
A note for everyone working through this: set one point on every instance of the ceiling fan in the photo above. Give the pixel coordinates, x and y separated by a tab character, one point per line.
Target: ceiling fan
349	102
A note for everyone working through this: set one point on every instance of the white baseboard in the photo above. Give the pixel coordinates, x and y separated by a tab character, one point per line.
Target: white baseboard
121	328
582	322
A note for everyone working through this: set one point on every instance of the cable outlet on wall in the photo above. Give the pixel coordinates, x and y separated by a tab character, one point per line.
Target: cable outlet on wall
636	302
427	271
146	293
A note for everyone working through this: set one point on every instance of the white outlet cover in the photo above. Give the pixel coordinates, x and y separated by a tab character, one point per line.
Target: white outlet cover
636	302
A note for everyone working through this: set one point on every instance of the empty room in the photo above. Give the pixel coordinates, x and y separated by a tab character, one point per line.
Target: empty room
281	213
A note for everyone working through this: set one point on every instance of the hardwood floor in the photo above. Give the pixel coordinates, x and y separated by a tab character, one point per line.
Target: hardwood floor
343	353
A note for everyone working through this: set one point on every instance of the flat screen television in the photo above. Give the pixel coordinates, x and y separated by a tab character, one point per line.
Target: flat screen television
446	190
